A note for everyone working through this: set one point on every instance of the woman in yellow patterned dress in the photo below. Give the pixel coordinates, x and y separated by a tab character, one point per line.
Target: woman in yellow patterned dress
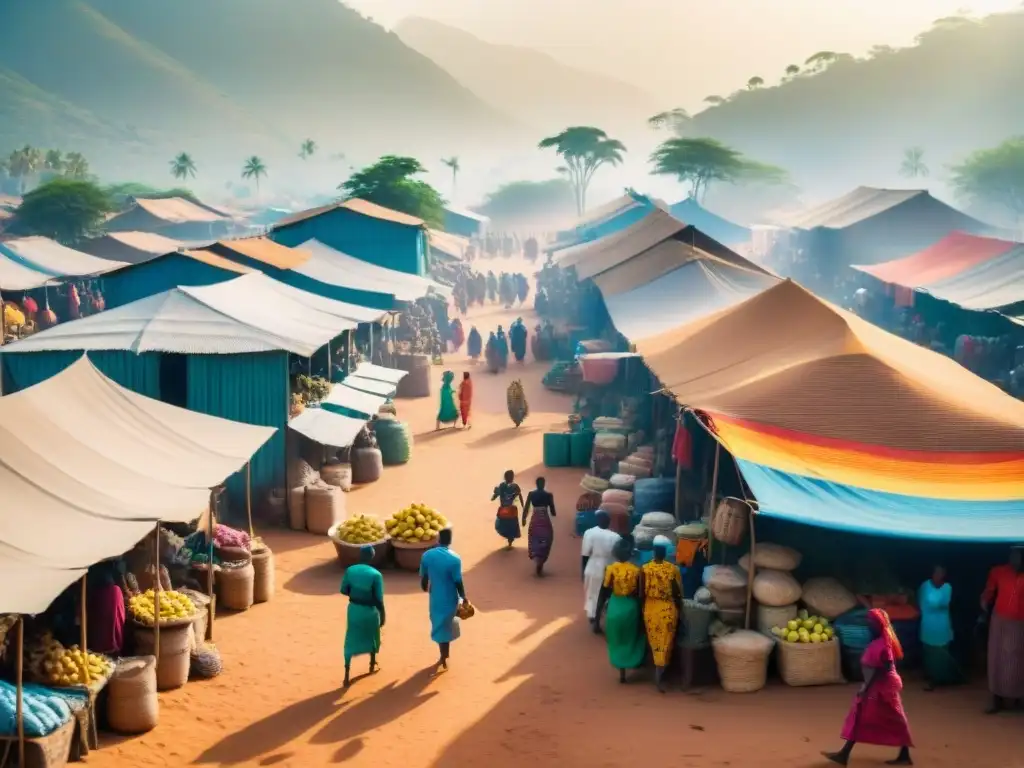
662	591
622	624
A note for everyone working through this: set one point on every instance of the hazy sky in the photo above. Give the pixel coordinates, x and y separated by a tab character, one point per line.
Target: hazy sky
683	50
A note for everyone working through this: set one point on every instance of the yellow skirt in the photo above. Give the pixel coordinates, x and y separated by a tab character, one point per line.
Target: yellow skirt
661	619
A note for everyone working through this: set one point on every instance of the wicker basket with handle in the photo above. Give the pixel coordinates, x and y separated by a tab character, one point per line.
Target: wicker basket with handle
729	522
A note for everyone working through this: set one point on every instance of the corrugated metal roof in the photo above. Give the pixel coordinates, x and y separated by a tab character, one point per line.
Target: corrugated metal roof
357	205
264	250
178	210
853	208
326	427
31	262
251	313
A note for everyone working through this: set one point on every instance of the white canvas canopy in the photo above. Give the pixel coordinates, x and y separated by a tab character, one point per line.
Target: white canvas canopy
380	373
87	467
343	396
251	313
336	268
326	427
31	262
373	386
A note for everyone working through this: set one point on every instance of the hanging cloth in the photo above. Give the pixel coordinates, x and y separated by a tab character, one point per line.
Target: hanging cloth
682	446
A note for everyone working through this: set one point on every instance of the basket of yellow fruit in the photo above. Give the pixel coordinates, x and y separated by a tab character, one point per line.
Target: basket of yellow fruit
72	666
349	536
176	615
413	531
808	651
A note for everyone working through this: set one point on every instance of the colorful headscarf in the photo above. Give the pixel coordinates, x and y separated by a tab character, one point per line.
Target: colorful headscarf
879	622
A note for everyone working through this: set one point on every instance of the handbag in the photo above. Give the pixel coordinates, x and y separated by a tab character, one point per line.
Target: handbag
465	610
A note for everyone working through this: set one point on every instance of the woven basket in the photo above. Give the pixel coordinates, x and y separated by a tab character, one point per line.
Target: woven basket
172	664
297	508
205	663
769	617
300	472
263	575
697	619
418	382
367	465
826	597
394	439
408	556
201	620
774	556
636	470
729	522
50	751
233	554
742	659
235	587
325	506
132	703
337	474
802	664
777	588
348	554
275	508
588	502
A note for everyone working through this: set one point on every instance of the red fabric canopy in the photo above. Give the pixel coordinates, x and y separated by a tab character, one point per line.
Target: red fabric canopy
953	254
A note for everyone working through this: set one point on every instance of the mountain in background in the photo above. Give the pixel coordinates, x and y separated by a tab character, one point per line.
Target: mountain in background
529	84
958	90
131	83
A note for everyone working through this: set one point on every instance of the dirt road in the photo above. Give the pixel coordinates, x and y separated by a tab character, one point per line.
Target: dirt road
528	685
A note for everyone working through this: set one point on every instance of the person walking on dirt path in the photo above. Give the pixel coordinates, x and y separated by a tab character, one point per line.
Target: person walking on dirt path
540	536
623	623
363	585
506	523
1004	597
598	545
465	399
441	579
661	587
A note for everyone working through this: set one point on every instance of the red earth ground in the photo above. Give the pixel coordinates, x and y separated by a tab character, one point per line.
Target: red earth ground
529	684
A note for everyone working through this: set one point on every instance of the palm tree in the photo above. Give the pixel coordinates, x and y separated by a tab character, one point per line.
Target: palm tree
53	160
754	83
183	166
254	169
913	163
308	149
75	165
22	163
675	120
454	165
584	149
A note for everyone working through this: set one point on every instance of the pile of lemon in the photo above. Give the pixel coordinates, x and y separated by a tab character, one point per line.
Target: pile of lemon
174	606
416	523
72	666
805	629
361	529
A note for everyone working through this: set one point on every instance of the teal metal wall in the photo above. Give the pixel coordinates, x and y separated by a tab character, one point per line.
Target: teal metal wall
252	389
159	275
385	243
139	373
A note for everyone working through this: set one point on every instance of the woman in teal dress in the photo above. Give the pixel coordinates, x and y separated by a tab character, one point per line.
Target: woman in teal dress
448	412
933	599
363	585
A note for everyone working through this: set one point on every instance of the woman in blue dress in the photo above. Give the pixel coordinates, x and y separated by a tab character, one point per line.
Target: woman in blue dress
441	578
933	600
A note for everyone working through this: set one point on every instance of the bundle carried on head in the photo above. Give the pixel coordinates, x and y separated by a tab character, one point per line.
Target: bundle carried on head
518	408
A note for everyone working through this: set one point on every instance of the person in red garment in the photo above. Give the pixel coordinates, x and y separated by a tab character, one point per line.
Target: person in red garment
1004	595
876	715
107	611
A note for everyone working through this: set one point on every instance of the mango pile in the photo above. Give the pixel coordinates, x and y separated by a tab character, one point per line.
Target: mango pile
69	666
417	522
173	607
361	529
805	629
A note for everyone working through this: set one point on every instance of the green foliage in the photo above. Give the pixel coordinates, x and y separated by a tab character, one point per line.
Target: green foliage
389	183
183	166
754	83
584	149
674	120
121	194
700	161
308	149
254	169
913	163
994	176
453	164
65	210
527	201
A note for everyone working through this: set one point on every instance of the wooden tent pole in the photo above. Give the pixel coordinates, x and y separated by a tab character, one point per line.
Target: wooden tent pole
679	469
20	680
750	573
714	492
248	496
209	569
156	594
84	635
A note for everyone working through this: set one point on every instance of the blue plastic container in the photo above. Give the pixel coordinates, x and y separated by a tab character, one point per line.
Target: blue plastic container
585	521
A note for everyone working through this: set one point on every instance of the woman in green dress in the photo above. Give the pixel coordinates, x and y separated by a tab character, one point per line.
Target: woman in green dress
623	623
448	413
363	585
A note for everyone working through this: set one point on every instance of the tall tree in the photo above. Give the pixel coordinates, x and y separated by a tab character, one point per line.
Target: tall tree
389	182
65	210
254	169
714	100
584	149
308	149
183	166
913	163
76	166
453	165
754	83
674	120
22	164
994	176
53	160
792	71
698	162
820	60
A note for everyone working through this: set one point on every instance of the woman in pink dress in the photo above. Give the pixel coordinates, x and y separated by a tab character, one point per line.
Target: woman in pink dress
876	715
